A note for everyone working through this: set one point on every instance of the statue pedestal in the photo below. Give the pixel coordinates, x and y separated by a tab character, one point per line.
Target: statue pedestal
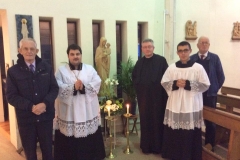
191	37
235	37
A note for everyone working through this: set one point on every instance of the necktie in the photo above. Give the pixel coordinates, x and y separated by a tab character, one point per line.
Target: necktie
31	67
202	57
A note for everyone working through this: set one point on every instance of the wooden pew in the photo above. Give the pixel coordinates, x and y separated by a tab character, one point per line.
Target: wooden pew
229	102
229	121
230	90
208	155
229	97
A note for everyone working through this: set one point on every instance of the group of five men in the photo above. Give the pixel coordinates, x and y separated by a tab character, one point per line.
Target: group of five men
170	102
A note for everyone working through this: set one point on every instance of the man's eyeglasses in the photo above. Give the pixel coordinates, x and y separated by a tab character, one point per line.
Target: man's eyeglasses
145	47
183	51
204	43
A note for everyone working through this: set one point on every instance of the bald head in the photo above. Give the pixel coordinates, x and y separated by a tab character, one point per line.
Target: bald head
203	44
203	38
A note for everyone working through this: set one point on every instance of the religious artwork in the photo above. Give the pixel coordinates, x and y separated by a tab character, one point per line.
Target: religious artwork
191	30
236	31
24	27
102	60
24	30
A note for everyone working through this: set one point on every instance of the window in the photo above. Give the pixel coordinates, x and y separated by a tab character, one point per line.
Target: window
139	40
119	52
96	38
46	41
72	32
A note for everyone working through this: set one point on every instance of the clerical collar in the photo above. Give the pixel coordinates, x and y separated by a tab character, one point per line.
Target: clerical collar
189	63
72	67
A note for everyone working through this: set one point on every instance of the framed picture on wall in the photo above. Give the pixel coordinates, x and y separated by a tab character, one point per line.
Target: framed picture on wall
24	27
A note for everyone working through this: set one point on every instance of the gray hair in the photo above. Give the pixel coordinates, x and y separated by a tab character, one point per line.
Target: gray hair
148	40
27	39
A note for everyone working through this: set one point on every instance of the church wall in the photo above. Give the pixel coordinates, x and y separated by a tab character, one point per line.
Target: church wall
215	20
109	12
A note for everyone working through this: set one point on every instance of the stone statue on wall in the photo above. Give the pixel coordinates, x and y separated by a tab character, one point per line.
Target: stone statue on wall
191	30
24	30
102	60
236	31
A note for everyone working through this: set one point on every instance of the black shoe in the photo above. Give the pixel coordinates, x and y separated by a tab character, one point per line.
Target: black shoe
146	151
156	152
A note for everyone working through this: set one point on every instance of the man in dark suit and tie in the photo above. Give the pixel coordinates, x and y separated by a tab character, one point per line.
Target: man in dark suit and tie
213	67
32	90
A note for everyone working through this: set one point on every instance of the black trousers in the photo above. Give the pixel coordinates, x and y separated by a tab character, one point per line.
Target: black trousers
210	101
84	148
31	133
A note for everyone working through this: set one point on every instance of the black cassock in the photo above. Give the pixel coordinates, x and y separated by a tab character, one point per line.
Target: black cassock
152	98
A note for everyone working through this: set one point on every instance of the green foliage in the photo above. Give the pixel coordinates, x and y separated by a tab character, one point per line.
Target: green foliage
125	78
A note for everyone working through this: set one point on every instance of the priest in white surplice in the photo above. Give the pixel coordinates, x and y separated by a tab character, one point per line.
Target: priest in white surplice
78	133
184	82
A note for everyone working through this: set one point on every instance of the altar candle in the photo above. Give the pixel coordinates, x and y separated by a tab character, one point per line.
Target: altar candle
108	108
127	108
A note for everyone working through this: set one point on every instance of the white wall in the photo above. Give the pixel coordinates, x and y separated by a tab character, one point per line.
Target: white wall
215	20
108	11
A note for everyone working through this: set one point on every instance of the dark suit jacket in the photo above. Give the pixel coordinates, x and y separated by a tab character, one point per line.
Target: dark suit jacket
25	89
216	74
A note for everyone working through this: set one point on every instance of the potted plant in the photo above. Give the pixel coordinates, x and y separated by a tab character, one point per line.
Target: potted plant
124	77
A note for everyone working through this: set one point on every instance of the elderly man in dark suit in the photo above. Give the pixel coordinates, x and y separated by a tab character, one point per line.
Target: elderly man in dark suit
213	67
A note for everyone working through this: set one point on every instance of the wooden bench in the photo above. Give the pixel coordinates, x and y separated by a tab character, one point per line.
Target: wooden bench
230	90
229	121
229	101
229	98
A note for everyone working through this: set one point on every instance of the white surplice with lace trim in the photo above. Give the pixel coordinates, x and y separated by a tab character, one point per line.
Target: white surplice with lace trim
184	108
77	115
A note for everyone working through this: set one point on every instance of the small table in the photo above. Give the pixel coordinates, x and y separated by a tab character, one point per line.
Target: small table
134	118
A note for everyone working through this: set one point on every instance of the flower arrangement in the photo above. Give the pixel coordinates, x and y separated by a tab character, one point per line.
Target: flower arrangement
110	101
115	107
110	87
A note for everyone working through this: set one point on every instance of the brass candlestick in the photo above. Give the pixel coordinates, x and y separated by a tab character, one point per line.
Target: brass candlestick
127	150
110	155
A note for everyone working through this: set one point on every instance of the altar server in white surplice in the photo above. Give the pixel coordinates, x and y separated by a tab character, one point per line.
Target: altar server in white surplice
78	133
184	82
